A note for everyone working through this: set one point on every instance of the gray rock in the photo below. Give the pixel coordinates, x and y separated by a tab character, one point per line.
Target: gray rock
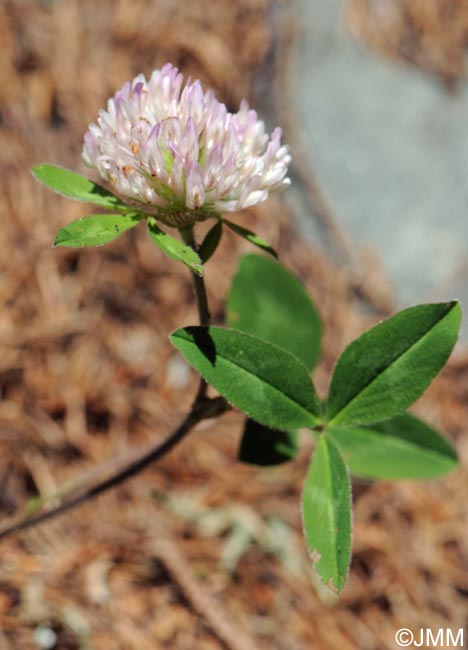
390	146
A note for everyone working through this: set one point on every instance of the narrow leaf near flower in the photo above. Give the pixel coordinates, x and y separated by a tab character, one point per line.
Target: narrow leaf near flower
77	187
251	237
211	241
96	230
263	381
174	248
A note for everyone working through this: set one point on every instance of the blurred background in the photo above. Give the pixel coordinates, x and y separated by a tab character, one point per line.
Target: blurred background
201	551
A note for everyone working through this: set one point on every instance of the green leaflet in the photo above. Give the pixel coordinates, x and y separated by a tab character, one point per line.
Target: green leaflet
174	248
269	302
326	513
403	447
95	230
263	381
250	237
74	186
386	369
211	241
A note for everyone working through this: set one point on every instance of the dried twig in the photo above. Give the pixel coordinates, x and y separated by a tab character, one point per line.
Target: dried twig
230	634
202	409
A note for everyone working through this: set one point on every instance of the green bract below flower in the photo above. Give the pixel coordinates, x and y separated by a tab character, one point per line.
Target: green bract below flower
179	150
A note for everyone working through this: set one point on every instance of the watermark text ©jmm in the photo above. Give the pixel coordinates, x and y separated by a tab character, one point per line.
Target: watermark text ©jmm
427	638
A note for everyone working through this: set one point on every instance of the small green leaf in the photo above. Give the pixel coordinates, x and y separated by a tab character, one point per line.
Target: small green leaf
403	447
250	237
386	369
95	230
211	241
263	381
261	445
326	513
269	302
174	248
74	186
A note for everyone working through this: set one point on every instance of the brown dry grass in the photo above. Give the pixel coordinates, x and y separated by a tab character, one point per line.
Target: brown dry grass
88	379
429	34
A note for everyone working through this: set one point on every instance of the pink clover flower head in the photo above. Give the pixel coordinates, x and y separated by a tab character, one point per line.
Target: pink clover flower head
179	150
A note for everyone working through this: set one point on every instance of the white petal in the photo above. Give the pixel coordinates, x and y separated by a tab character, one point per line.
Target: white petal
155	137
195	191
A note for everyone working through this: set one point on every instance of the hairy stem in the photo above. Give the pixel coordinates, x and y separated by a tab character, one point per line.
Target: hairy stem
201	298
200	411
202	408
198	281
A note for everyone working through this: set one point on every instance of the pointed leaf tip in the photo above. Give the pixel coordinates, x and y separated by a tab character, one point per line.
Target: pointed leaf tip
77	187
266	383
404	447
387	368
211	242
326	513
251	237
174	248
95	230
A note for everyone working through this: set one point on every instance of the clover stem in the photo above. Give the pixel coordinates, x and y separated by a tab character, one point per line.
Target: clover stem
203	407
198	281
201	298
